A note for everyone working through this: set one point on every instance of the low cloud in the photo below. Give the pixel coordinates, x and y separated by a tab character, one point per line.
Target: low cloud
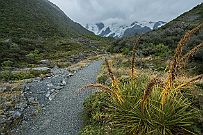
124	11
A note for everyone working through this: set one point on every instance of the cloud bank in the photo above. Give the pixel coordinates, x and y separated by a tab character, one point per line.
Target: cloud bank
124	11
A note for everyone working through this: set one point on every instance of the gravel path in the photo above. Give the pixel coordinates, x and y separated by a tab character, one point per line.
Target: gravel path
62	115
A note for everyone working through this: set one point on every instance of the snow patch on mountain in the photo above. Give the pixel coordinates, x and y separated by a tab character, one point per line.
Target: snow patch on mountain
118	30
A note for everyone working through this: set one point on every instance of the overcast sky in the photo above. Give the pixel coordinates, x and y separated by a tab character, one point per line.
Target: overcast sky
124	11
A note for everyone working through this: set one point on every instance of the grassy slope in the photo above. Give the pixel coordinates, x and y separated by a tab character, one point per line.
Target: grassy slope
37	29
167	37
171	33
35	18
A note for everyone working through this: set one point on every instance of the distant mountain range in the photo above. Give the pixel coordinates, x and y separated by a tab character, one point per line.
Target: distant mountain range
116	30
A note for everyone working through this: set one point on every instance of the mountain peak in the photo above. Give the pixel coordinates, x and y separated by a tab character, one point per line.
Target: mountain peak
121	30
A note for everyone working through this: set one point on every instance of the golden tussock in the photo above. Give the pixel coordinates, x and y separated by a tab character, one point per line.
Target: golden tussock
188	55
148	91
115	83
199	77
109	70
133	58
176	62
106	89
185	39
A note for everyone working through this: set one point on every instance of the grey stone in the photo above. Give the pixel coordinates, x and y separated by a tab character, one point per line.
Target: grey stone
50	85
28	80
63	83
51	97
16	114
52	90
2	119
41	69
58	87
3	88
26	88
65	101
48	94
70	74
21	105
29	112
46	62
31	99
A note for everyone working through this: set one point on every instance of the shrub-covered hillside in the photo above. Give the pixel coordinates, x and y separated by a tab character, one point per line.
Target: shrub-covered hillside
31	30
166	37
35	18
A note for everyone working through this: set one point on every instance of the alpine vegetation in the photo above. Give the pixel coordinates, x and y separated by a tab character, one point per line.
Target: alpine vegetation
146	104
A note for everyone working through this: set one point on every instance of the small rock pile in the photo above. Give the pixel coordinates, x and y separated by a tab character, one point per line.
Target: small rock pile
45	89
14	107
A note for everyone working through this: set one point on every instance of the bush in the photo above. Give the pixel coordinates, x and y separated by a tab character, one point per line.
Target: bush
94	107
5	75
7	64
33	56
160	50
102	79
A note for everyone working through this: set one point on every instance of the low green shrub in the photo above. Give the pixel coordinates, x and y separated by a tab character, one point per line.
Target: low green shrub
7	75
102	79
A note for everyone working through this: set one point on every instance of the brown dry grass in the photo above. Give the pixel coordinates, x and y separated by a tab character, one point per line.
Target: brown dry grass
83	63
148	91
176	63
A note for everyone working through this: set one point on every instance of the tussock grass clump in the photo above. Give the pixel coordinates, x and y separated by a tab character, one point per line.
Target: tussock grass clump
151	105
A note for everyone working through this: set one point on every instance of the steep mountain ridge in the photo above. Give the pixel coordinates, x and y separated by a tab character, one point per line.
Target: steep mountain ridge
35	18
117	30
32	30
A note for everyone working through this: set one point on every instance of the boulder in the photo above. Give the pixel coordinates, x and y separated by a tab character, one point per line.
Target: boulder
41	69
45	62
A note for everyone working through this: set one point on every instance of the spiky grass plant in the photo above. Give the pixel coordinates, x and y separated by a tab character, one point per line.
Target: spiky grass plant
178	60
146	105
139	115
133	73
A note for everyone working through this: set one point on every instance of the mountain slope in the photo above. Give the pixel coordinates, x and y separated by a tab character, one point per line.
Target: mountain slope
35	18
33	30
168	36
125	30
